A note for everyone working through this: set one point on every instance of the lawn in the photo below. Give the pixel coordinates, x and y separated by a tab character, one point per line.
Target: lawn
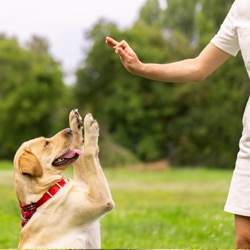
172	208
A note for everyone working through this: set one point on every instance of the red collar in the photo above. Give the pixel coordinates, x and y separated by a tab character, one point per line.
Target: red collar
27	210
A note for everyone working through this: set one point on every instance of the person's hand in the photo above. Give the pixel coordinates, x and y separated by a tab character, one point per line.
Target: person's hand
128	57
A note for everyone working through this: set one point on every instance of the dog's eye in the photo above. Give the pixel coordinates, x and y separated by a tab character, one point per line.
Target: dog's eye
46	144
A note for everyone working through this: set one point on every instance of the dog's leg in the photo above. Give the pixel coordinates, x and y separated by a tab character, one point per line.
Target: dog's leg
98	189
87	168
76	125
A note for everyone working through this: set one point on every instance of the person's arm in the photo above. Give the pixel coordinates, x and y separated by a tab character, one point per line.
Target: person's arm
195	69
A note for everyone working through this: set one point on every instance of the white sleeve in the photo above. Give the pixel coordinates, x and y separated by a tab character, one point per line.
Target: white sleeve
227	39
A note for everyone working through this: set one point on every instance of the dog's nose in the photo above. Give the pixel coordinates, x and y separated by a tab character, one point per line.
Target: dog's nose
68	132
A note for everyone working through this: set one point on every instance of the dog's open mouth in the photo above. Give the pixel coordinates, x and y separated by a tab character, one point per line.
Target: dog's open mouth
67	158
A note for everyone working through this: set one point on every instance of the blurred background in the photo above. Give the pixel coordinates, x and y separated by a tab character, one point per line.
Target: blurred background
53	58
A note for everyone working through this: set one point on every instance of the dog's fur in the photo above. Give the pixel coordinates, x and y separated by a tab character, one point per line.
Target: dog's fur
71	218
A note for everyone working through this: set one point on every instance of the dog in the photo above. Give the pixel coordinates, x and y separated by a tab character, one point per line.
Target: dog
58	212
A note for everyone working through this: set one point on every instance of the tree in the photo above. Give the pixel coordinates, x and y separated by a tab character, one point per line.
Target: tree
208	18
151	14
215	107
180	15
130	106
190	124
32	92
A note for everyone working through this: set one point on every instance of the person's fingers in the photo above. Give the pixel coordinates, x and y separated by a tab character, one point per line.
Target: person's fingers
111	42
122	53
122	47
123	44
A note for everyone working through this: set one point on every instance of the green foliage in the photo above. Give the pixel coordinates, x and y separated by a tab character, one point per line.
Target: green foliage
130	106
208	18
112	154
179	15
190	124
151	13
31	92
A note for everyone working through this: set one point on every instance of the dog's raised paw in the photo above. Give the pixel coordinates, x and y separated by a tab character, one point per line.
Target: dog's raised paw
75	120
91	127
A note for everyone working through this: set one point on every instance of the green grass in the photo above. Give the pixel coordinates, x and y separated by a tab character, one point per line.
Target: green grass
174	208
9	210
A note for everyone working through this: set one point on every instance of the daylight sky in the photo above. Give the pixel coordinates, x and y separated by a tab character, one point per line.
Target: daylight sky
63	22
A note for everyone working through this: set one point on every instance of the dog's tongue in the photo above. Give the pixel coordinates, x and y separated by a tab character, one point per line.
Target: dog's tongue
72	153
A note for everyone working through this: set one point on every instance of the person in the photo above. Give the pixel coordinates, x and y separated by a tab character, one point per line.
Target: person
233	35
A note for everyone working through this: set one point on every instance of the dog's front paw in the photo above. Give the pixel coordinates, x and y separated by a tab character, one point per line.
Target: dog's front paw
75	120
91	128
76	125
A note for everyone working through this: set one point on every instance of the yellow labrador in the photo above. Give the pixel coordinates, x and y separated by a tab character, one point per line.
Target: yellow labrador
57	212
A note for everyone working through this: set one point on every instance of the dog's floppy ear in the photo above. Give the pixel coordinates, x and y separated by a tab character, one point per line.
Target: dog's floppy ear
28	164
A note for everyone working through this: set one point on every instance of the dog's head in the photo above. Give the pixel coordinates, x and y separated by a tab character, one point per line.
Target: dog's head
41	161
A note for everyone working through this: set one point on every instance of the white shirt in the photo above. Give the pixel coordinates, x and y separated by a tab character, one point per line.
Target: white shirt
234	33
